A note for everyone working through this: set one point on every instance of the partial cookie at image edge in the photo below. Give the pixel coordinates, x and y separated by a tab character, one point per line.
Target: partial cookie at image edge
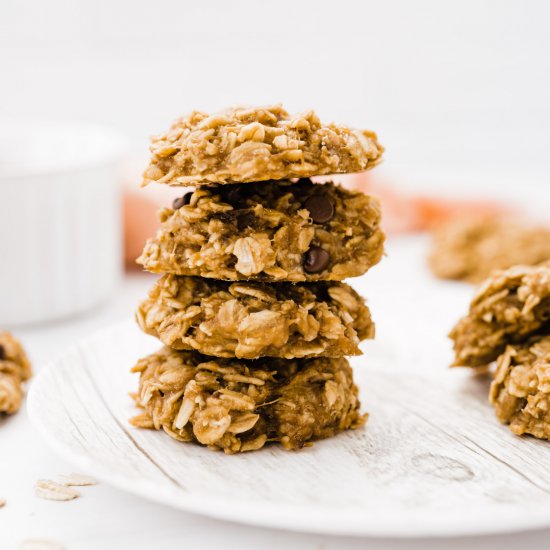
508	308
520	391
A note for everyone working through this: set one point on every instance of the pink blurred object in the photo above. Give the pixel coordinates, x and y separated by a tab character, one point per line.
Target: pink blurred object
403	212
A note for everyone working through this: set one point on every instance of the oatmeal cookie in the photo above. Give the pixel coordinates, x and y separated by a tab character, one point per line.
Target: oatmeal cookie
239	406
14	370
520	390
469	249
509	307
256	144
295	232
250	320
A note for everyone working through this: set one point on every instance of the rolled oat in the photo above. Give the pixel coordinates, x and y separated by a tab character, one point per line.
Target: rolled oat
51	490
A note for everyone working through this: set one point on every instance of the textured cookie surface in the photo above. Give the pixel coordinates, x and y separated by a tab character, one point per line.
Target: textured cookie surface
285	232
510	306
257	144
14	370
469	249
250	320
239	406
520	391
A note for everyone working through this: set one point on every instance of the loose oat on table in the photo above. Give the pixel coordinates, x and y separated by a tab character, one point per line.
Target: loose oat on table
76	480
14	370
285	232
520	391
239	406
41	544
510	306
244	144
51	490
251	319
470	248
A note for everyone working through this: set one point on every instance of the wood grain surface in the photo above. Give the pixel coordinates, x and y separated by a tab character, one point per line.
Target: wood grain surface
432	460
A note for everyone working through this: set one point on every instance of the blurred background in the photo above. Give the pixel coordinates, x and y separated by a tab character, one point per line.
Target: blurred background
461	85
457	91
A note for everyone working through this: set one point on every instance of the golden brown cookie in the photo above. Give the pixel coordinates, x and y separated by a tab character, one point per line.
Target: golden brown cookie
239	406
520	391
289	231
244	144
508	308
469	249
14	370
250	319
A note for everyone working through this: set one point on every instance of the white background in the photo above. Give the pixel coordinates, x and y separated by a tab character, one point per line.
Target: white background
452	87
458	92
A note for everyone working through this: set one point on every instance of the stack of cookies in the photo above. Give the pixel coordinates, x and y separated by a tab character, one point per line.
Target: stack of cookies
251	307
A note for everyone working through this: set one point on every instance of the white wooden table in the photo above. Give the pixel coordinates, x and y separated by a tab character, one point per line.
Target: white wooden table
110	519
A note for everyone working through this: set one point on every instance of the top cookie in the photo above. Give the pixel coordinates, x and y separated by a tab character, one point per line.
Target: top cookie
256	144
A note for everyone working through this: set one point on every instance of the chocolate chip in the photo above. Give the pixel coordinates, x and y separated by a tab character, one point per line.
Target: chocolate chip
2	352
245	219
320	208
182	201
233	195
225	217
236	196
316	259
303	181
543	309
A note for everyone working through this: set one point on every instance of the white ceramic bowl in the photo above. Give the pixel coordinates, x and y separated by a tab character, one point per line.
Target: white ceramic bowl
60	219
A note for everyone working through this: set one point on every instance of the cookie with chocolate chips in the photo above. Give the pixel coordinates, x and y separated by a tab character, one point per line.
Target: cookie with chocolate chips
287	231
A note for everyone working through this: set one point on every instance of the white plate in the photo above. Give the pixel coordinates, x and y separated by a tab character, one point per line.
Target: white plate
432	460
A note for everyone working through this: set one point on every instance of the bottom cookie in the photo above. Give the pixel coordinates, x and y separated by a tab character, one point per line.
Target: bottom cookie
240	406
520	391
